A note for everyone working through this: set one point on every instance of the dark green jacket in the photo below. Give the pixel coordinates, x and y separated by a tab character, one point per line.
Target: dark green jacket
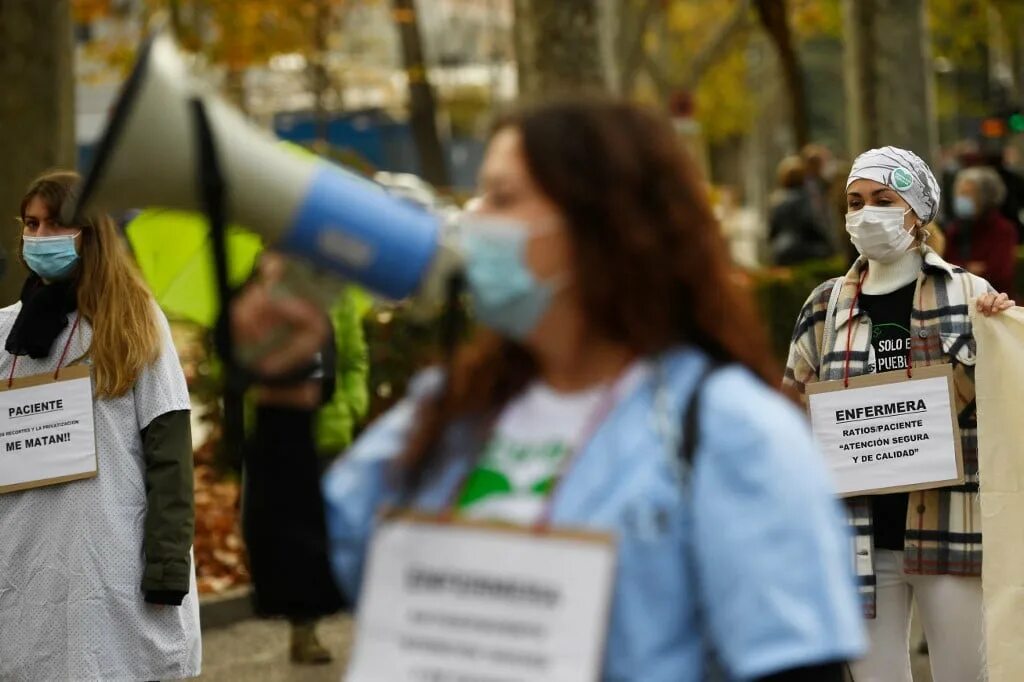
170	508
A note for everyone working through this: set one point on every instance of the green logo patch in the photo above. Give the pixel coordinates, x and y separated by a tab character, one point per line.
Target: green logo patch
902	179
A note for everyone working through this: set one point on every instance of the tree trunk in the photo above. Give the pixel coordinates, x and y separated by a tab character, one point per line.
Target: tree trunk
422	104
773	15
319	80
36	111
890	83
558	46
629	42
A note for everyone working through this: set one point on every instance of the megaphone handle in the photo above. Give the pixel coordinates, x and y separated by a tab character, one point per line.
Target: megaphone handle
212	190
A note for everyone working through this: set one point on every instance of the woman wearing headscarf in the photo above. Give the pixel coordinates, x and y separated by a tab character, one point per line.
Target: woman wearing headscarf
901	303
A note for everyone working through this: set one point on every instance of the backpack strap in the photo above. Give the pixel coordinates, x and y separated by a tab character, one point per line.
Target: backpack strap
713	671
691	415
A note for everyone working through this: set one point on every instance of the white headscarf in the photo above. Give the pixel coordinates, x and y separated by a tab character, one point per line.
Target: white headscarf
905	173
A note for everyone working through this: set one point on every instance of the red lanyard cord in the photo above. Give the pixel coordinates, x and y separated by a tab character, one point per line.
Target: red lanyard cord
849	330
60	363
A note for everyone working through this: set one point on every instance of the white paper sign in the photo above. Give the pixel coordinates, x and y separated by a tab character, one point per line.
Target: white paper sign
46	431
458	602
887	432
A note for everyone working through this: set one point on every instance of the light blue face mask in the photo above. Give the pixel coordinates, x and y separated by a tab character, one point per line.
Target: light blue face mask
52	258
506	295
963	207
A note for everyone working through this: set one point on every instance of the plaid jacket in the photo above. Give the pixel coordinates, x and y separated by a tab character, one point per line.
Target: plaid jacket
943	534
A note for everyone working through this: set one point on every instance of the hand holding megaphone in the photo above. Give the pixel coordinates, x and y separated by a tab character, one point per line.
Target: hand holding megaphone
276	328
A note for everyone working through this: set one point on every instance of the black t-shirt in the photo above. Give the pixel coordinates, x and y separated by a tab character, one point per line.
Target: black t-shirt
890	336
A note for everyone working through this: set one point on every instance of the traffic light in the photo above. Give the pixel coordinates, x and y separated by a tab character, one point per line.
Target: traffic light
993	127
1008	121
1016	122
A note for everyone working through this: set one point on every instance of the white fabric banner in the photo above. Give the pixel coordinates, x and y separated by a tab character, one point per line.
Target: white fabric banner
999	380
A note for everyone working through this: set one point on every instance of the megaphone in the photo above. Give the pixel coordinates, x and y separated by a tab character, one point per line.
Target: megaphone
148	156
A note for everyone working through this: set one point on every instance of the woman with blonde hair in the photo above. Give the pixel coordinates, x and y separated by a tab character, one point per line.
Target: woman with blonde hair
96	575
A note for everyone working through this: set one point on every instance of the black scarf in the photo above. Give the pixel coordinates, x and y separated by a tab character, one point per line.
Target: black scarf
43	316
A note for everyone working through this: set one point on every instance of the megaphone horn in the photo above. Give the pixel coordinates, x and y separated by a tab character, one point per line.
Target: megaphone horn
305	206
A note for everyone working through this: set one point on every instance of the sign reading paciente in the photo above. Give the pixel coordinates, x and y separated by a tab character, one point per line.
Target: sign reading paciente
888	433
445	602
46	430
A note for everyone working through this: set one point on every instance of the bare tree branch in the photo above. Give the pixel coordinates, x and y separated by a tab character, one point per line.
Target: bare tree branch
717	45
774	18
631	46
715	48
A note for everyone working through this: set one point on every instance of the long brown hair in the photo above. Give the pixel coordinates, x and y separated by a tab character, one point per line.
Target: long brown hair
111	293
652	264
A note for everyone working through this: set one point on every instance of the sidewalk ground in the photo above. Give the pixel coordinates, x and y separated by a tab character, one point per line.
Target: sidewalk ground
257	651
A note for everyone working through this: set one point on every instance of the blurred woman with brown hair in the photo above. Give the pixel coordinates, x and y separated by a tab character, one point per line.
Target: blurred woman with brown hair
602	282
96	573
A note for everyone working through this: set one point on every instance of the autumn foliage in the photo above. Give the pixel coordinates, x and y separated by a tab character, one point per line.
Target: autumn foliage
219	551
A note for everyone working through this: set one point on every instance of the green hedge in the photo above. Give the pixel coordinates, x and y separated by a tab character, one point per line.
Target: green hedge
782	291
399	346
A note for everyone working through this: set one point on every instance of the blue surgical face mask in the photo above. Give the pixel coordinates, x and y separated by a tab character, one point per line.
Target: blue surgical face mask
52	258
506	295
963	207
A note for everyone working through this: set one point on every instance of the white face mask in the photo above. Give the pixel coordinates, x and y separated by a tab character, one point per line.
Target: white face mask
878	232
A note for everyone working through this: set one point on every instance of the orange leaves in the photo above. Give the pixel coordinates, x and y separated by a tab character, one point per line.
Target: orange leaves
88	11
219	551
243	33
813	18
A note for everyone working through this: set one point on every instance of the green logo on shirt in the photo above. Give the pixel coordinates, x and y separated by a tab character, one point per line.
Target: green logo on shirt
513	468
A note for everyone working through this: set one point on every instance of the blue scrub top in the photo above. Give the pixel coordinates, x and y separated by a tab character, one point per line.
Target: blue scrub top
749	555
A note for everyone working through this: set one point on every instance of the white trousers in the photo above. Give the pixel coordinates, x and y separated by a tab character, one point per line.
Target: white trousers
951	613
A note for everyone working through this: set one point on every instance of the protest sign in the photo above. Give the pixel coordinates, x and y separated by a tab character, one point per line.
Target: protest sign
458	600
887	432
46	430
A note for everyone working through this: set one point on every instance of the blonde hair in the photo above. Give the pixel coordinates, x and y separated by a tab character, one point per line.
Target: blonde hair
111	293
791	172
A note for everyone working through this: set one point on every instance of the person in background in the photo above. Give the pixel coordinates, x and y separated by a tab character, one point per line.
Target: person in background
818	164
96	575
1012	205
901	306
554	410
304	423
953	159
980	239
797	231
